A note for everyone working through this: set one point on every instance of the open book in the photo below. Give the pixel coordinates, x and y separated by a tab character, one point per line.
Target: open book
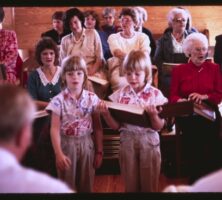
168	67
98	80
134	114
41	113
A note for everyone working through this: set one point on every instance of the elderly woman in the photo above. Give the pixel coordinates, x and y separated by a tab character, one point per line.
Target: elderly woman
107	29
124	42
169	46
198	80
142	18
43	84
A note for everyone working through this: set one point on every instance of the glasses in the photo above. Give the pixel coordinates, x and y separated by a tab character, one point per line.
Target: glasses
180	20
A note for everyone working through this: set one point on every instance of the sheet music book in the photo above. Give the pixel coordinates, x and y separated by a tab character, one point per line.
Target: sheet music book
41	113
136	115
98	80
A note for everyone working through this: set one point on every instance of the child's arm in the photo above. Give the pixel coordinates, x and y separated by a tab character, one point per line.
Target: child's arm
62	161
111	122
156	122
98	140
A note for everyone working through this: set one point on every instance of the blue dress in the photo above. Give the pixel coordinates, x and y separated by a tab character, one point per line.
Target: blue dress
40	88
41	155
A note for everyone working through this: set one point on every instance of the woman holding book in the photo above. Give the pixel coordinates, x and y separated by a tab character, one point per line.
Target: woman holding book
140	158
198	81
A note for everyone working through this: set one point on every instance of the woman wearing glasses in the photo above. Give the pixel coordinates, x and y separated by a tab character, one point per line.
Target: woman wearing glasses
124	42
169	46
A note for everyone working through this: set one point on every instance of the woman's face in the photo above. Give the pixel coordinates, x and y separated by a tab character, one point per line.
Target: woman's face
90	22
179	22
127	22
198	52
75	25
48	57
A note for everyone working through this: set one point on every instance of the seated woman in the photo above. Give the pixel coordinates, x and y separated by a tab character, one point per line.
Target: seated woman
8	51
142	18
43	84
83	42
198	81
169	46
124	42
57	32
107	29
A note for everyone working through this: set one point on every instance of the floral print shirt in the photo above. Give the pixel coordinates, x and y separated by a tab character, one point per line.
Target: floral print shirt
75	114
9	51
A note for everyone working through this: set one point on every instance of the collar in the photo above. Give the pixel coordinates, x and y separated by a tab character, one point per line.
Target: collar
43	78
67	95
7	158
81	37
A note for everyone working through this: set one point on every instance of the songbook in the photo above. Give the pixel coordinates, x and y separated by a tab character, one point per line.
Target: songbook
2	72
98	80
136	115
41	113
168	67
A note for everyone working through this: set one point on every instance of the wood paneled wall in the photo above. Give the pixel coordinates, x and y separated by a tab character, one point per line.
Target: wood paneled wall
30	22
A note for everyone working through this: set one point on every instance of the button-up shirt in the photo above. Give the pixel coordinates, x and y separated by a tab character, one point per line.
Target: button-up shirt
75	114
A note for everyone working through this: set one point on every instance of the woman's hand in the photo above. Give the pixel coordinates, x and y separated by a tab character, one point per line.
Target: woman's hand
197	98
63	162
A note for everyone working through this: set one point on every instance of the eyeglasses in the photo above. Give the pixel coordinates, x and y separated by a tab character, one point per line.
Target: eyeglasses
126	20
180	20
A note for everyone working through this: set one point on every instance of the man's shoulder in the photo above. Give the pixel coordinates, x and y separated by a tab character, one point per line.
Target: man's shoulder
41	182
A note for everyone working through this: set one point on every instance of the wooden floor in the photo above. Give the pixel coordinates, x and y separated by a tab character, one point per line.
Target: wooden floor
114	183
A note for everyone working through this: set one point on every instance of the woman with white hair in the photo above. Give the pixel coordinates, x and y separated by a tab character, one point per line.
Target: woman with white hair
169	46
141	19
198	81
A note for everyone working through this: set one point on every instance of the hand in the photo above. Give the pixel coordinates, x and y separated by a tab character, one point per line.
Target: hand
98	160
152	110
63	162
197	98
91	70
102	108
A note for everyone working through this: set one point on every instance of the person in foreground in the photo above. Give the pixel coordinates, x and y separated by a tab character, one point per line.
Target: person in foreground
198	81
78	152
16	115
140	157
209	183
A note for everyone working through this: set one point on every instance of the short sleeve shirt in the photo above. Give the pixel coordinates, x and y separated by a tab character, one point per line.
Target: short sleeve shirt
75	114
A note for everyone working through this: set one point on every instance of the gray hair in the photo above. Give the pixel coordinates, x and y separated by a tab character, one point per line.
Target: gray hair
16	110
109	10
143	13
175	11
190	39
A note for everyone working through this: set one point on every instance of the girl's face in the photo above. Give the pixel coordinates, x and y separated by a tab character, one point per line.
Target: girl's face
75	25
48	57
136	79
75	79
90	22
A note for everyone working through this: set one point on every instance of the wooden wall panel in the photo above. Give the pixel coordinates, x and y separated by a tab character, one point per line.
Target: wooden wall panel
30	22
